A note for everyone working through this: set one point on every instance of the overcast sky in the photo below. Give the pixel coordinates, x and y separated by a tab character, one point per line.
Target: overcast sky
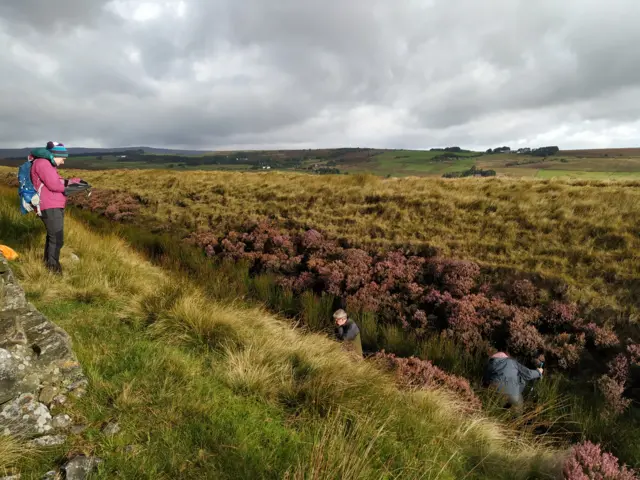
320	73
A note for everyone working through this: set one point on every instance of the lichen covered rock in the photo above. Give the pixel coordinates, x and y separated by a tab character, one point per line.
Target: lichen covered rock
37	368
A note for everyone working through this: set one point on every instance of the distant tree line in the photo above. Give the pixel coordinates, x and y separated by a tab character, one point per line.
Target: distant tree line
544	151
451	149
536	152
498	150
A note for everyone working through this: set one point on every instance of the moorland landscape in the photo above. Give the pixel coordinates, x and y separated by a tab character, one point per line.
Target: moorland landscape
436	271
319	240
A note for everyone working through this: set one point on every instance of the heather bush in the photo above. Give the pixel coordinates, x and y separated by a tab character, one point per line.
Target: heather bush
613	391
459	317
232	248
367	299
394	271
588	462
612	385
353	269
523	292
205	240
601	337
455	276
562	316
303	282
565	348
312	240
634	353
118	206
414	372
524	339
473	320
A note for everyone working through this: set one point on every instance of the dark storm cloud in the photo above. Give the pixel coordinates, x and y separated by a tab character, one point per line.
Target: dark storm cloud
412	73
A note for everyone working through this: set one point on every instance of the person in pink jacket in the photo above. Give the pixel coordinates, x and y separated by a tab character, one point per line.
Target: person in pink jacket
51	185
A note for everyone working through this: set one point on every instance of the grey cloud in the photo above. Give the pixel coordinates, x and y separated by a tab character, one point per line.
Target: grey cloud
47	15
429	72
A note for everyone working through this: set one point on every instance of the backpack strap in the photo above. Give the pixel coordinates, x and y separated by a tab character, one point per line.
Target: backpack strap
38	206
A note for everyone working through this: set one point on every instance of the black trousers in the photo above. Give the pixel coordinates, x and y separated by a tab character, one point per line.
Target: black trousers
53	219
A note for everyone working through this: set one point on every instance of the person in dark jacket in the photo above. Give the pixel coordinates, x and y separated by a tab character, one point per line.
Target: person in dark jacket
347	331
509	377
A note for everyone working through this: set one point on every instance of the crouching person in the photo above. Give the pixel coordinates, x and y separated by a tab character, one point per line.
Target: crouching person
348	332
509	377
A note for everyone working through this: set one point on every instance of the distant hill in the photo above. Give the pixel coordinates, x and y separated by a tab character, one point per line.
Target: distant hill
541	162
23	152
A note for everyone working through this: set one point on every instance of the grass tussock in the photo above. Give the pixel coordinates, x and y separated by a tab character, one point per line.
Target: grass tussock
12	452
206	389
340	450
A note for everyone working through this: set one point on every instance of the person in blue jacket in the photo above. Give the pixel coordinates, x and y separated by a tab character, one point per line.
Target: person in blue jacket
509	377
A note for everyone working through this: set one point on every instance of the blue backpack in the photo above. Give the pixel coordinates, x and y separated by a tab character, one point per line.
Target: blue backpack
29	196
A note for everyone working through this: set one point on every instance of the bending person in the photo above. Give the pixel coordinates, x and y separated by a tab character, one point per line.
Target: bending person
347	331
509	377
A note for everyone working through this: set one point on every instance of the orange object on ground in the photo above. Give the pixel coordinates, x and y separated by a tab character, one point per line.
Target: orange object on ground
8	252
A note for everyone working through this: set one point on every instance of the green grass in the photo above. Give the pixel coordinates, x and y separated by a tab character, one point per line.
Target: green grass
211	389
410	163
201	428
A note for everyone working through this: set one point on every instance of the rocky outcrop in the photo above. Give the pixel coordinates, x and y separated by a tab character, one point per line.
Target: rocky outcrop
38	369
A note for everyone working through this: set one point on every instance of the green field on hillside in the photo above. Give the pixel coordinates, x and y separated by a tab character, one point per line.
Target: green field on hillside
411	163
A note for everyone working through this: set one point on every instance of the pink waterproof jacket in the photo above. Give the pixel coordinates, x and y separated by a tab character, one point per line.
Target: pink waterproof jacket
52	193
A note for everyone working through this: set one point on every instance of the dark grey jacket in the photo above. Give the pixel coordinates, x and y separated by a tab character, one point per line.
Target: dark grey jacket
349	332
509	376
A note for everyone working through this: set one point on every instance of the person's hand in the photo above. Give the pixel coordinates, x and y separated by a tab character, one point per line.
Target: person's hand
74	180
541	370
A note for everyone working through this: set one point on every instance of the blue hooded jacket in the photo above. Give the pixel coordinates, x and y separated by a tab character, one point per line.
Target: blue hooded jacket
509	376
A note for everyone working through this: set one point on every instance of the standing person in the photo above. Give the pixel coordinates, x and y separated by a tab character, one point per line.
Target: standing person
347	331
509	377
47	181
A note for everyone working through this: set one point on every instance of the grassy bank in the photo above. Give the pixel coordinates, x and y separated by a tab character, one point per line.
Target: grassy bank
206	389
